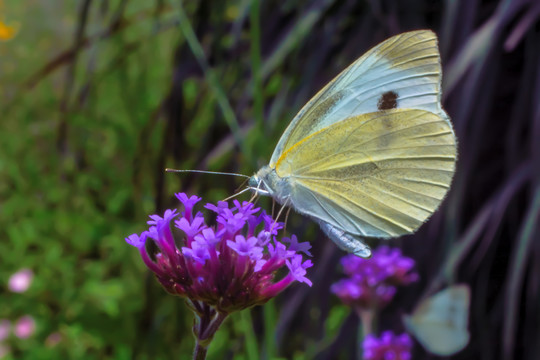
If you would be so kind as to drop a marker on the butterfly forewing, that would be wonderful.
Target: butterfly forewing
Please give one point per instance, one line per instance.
(402, 72)
(379, 174)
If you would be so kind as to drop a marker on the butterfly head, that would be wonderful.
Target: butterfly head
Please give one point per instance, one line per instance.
(257, 182)
(267, 182)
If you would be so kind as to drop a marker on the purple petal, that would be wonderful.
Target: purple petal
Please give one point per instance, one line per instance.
(348, 289)
(136, 240)
(191, 229)
(264, 237)
(298, 269)
(280, 252)
(387, 347)
(208, 236)
(188, 202)
(198, 252)
(242, 245)
(167, 216)
(246, 208)
(298, 247)
(259, 264)
(217, 209)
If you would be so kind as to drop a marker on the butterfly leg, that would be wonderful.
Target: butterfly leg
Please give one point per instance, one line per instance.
(286, 219)
(345, 241)
(285, 204)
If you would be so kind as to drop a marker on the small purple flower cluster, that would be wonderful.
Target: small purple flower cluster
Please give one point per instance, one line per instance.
(372, 282)
(388, 346)
(229, 267)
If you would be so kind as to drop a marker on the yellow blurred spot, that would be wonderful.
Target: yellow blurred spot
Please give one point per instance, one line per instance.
(232, 12)
(7, 32)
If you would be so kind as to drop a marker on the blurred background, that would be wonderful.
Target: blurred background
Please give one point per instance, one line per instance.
(97, 97)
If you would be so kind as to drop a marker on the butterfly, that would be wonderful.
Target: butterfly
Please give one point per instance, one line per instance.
(372, 154)
(439, 323)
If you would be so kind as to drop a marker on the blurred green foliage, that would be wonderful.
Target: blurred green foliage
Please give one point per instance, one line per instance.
(98, 97)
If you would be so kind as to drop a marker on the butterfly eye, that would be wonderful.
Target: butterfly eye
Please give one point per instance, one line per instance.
(253, 181)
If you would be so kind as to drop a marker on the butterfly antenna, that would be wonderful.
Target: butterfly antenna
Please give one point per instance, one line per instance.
(206, 172)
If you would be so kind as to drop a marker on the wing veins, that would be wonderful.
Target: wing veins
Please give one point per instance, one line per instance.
(407, 55)
(356, 94)
(398, 131)
(409, 60)
(381, 64)
(418, 206)
(396, 223)
(323, 207)
(418, 95)
(431, 135)
(389, 48)
(416, 147)
(381, 161)
(402, 187)
(421, 181)
(422, 75)
(298, 170)
(348, 217)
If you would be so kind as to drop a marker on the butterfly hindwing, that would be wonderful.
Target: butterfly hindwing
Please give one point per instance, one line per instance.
(379, 174)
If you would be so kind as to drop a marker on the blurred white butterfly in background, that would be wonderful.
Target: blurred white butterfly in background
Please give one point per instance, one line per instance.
(373, 153)
(439, 323)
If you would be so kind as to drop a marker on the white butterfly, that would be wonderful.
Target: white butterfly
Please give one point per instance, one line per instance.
(373, 153)
(439, 323)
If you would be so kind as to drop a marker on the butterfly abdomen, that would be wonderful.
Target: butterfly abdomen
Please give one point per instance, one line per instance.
(344, 240)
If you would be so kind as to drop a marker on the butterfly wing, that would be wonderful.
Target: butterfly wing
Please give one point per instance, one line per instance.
(401, 72)
(380, 174)
(440, 322)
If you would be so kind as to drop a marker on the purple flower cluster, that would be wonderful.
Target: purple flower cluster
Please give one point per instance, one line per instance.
(229, 267)
(388, 347)
(372, 282)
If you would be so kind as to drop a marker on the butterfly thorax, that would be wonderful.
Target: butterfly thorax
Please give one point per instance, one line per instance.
(267, 182)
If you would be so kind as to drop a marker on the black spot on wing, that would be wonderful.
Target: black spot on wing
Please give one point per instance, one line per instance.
(387, 101)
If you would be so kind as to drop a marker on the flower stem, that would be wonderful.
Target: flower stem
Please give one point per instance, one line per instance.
(366, 327)
(207, 322)
(366, 318)
(213, 326)
(200, 351)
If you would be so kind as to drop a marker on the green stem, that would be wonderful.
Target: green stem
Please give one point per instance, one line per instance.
(270, 316)
(251, 342)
